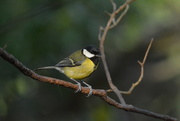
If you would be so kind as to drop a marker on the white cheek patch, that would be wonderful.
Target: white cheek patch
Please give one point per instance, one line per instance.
(88, 54)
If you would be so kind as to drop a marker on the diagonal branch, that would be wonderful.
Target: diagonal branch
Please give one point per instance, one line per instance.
(142, 71)
(112, 22)
(97, 92)
(28, 72)
(141, 74)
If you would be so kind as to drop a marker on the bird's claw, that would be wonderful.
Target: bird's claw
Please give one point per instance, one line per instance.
(90, 92)
(79, 88)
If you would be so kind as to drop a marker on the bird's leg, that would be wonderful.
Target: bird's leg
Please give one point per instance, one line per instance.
(90, 88)
(79, 85)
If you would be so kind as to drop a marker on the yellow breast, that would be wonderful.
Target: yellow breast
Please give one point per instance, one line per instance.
(80, 72)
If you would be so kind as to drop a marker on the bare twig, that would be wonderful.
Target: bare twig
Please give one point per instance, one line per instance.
(142, 71)
(112, 22)
(116, 11)
(97, 92)
(141, 74)
(120, 17)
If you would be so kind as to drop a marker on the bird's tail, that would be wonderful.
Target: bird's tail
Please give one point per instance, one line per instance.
(47, 67)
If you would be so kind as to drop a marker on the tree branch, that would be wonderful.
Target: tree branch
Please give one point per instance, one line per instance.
(141, 74)
(28, 72)
(97, 92)
(142, 71)
(112, 22)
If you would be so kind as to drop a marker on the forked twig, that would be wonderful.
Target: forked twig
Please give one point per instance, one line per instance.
(141, 74)
(142, 71)
(112, 22)
(115, 22)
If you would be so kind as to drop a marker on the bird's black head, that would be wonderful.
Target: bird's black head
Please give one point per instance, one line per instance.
(91, 51)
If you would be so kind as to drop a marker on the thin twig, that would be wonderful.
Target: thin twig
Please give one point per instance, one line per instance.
(116, 11)
(97, 92)
(112, 22)
(120, 17)
(141, 74)
(142, 70)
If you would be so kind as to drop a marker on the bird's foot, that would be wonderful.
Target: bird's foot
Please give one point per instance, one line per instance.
(90, 89)
(79, 88)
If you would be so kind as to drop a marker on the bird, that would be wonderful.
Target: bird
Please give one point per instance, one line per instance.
(79, 65)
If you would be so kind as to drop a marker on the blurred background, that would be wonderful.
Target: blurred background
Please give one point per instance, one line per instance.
(43, 32)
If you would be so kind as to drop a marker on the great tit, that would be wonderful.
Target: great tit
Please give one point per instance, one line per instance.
(79, 65)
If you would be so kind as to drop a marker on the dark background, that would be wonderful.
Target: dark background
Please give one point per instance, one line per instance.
(42, 32)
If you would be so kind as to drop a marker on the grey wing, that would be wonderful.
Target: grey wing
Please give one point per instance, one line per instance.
(68, 62)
